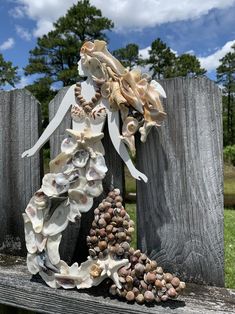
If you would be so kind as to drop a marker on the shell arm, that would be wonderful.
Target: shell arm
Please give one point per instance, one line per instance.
(55, 122)
(113, 125)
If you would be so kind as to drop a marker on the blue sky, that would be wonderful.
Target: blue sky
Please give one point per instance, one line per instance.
(205, 28)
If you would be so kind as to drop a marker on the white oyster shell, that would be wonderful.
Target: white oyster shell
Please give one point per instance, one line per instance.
(35, 215)
(69, 145)
(84, 201)
(58, 221)
(53, 248)
(80, 158)
(51, 188)
(96, 169)
(94, 188)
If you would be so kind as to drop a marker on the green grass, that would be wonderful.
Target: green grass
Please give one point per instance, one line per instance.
(229, 247)
(131, 209)
(229, 186)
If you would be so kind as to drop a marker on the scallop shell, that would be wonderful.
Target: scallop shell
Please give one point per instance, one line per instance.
(77, 113)
(80, 158)
(98, 114)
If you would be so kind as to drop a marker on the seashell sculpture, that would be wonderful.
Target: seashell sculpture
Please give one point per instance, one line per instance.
(76, 176)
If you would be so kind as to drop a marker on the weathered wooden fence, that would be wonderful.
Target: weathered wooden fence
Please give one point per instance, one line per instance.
(179, 211)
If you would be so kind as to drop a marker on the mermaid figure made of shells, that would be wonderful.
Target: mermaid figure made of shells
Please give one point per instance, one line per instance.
(75, 179)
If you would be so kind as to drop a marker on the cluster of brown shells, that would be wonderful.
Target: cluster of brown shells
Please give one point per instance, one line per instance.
(143, 280)
(111, 229)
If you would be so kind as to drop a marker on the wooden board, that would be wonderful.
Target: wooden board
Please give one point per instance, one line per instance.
(19, 178)
(180, 209)
(19, 290)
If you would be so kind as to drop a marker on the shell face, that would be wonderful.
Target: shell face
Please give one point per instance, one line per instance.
(80, 158)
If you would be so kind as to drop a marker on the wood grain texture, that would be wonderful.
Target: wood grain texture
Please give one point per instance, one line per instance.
(19, 178)
(19, 290)
(73, 245)
(180, 209)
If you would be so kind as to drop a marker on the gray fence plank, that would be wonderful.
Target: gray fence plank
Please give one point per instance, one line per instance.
(73, 245)
(180, 209)
(19, 178)
(18, 289)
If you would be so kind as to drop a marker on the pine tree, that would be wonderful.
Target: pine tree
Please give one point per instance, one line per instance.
(188, 65)
(56, 55)
(8, 73)
(161, 60)
(226, 76)
(129, 55)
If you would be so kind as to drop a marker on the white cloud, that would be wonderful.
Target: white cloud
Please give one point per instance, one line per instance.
(144, 53)
(23, 33)
(211, 62)
(147, 13)
(8, 44)
(17, 12)
(126, 14)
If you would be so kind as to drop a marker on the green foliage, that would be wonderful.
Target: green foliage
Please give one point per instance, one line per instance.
(226, 77)
(8, 73)
(188, 65)
(229, 154)
(229, 248)
(56, 53)
(128, 56)
(165, 64)
(161, 60)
